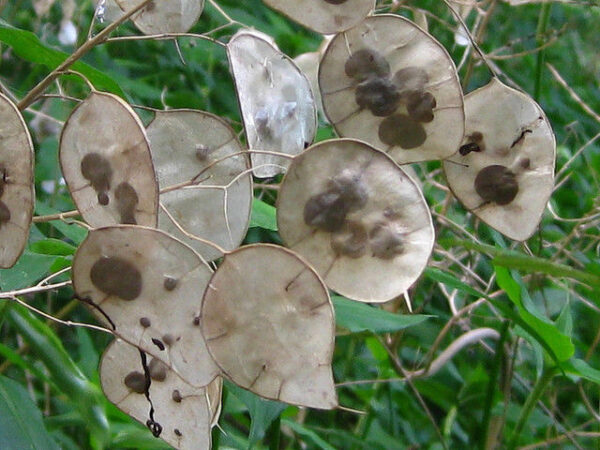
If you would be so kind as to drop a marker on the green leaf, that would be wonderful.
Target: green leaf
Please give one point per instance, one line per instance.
(263, 215)
(451, 281)
(357, 317)
(73, 231)
(52, 247)
(30, 268)
(306, 432)
(10, 355)
(262, 412)
(558, 344)
(564, 322)
(21, 425)
(582, 369)
(27, 46)
(85, 395)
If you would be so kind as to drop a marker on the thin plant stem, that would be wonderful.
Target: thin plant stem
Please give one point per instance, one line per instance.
(542, 26)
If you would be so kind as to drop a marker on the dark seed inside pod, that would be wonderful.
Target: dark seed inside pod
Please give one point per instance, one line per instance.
(117, 276)
(136, 381)
(3, 177)
(366, 63)
(410, 79)
(170, 283)
(4, 213)
(176, 396)
(351, 240)
(525, 163)
(400, 130)
(386, 242)
(177, 432)
(351, 187)
(335, 2)
(202, 152)
(168, 339)
(474, 144)
(145, 322)
(96, 168)
(497, 184)
(157, 369)
(127, 200)
(420, 106)
(326, 211)
(378, 95)
(103, 198)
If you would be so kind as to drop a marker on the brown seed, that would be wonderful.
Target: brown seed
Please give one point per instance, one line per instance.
(177, 432)
(196, 321)
(366, 63)
(127, 200)
(157, 369)
(96, 168)
(350, 241)
(386, 242)
(103, 198)
(351, 188)
(168, 339)
(202, 152)
(497, 184)
(326, 211)
(136, 381)
(170, 283)
(476, 136)
(4, 213)
(420, 106)
(145, 322)
(117, 276)
(3, 176)
(468, 148)
(410, 79)
(400, 130)
(176, 396)
(525, 163)
(379, 95)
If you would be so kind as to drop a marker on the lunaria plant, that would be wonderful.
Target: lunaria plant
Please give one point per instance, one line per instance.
(168, 205)
(504, 170)
(17, 194)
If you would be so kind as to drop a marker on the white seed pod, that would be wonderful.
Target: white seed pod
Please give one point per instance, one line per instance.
(150, 285)
(391, 84)
(105, 159)
(324, 16)
(504, 171)
(268, 322)
(357, 218)
(276, 101)
(186, 146)
(164, 16)
(182, 410)
(17, 194)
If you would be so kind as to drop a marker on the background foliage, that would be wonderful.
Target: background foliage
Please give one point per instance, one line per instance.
(536, 386)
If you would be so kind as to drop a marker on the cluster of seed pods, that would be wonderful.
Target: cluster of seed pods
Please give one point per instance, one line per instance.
(166, 199)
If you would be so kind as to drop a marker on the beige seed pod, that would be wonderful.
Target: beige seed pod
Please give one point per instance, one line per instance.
(276, 101)
(357, 218)
(150, 285)
(391, 84)
(186, 146)
(105, 159)
(164, 16)
(183, 411)
(324, 16)
(274, 336)
(504, 171)
(17, 195)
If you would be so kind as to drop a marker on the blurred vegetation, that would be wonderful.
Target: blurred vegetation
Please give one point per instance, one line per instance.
(484, 392)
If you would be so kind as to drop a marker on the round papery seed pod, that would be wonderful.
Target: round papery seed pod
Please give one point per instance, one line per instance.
(122, 269)
(381, 240)
(160, 16)
(276, 101)
(216, 203)
(324, 16)
(417, 114)
(504, 170)
(123, 382)
(105, 159)
(274, 337)
(17, 195)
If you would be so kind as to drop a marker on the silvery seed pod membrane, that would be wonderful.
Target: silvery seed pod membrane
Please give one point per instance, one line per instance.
(164, 16)
(504, 170)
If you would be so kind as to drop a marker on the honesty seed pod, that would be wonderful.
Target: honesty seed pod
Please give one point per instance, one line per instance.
(105, 159)
(16, 183)
(504, 170)
(164, 16)
(276, 101)
(274, 337)
(391, 84)
(148, 285)
(357, 218)
(324, 16)
(215, 203)
(185, 413)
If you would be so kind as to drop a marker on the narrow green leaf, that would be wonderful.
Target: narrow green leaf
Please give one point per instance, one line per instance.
(21, 425)
(582, 369)
(52, 247)
(30, 268)
(306, 432)
(17, 360)
(27, 46)
(451, 281)
(262, 412)
(263, 215)
(72, 231)
(564, 322)
(357, 317)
